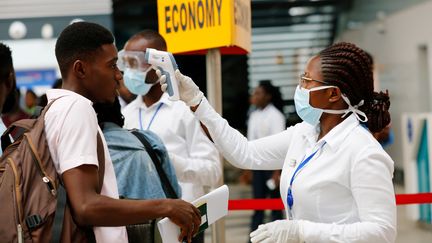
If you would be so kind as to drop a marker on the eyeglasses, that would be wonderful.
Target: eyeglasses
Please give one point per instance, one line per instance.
(304, 81)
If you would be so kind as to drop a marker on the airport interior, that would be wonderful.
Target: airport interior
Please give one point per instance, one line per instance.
(265, 40)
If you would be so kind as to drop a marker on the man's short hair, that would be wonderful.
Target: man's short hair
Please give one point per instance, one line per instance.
(152, 36)
(6, 64)
(79, 41)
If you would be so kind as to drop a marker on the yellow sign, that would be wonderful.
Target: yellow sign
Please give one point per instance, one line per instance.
(194, 25)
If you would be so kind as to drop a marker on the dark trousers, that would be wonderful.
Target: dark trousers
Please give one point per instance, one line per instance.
(198, 238)
(260, 190)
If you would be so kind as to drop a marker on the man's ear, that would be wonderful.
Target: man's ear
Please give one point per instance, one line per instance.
(79, 69)
(335, 94)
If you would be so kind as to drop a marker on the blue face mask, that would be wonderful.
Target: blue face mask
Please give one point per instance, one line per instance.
(312, 115)
(134, 81)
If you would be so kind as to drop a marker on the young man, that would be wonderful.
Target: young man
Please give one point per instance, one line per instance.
(194, 156)
(87, 59)
(7, 84)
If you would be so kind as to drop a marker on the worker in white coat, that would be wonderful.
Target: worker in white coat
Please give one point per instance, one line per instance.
(336, 181)
(267, 119)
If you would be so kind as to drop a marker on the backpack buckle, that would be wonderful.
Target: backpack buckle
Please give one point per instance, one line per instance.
(33, 221)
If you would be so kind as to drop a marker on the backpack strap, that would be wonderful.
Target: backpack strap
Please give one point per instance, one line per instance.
(166, 185)
(101, 160)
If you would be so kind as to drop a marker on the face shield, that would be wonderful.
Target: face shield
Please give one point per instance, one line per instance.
(132, 60)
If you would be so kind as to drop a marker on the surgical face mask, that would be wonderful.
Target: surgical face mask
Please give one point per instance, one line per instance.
(312, 115)
(134, 81)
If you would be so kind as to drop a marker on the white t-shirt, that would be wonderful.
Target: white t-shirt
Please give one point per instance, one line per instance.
(71, 130)
(265, 122)
(2, 130)
(343, 194)
(195, 158)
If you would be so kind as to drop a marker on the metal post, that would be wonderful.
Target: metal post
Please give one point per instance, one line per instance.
(214, 79)
(214, 96)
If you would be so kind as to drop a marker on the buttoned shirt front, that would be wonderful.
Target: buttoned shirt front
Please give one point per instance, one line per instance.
(195, 158)
(343, 194)
(71, 130)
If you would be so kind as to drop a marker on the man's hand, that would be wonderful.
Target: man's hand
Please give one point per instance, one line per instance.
(189, 92)
(286, 231)
(186, 216)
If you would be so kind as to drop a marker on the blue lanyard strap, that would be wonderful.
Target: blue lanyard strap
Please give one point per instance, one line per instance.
(290, 198)
(151, 120)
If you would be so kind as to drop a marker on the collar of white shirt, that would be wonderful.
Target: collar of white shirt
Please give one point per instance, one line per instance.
(56, 93)
(335, 137)
(268, 107)
(164, 99)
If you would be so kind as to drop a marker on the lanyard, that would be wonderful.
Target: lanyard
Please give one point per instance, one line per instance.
(290, 198)
(151, 120)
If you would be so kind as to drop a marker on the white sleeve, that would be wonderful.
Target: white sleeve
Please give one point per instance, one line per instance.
(76, 139)
(372, 188)
(203, 164)
(266, 153)
(2, 130)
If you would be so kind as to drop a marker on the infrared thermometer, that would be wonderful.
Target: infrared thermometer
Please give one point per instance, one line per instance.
(165, 62)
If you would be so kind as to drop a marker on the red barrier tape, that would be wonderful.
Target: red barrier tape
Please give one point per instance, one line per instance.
(276, 204)
(419, 198)
(255, 204)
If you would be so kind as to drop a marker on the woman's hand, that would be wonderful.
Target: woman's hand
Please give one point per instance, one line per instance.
(189, 92)
(286, 231)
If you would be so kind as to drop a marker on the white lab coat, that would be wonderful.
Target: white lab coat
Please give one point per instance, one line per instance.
(344, 194)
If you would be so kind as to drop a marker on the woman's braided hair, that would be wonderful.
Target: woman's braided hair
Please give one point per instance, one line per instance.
(350, 68)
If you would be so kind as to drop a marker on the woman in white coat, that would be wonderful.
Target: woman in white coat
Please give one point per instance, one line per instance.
(336, 181)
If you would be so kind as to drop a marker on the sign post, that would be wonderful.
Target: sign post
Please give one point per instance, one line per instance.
(214, 79)
(211, 27)
(214, 95)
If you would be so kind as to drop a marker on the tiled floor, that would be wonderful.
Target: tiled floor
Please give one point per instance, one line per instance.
(237, 223)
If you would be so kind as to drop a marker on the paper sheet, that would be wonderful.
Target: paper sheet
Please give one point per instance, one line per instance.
(215, 204)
